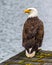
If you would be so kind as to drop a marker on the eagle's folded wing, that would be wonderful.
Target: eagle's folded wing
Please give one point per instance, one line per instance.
(29, 37)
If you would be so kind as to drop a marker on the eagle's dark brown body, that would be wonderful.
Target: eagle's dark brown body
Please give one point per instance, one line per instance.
(33, 32)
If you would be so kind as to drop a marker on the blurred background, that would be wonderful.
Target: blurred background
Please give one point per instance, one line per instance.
(12, 19)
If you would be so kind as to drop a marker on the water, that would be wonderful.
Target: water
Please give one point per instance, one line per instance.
(12, 19)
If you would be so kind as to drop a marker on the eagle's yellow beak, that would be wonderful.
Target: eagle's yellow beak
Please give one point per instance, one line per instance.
(27, 11)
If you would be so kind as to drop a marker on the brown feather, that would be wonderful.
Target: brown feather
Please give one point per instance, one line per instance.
(33, 32)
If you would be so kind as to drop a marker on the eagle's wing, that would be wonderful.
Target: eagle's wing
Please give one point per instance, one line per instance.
(40, 34)
(28, 36)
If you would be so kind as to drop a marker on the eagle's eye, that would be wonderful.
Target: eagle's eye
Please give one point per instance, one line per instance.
(30, 9)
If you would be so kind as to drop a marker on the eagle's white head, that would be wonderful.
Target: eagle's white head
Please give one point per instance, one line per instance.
(32, 12)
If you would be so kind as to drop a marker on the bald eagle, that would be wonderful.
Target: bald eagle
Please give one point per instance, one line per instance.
(33, 32)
